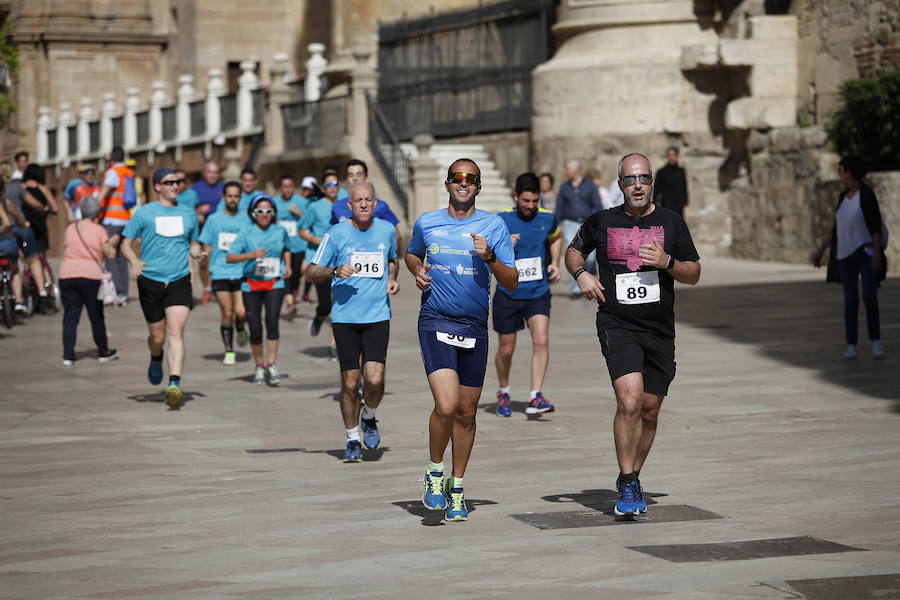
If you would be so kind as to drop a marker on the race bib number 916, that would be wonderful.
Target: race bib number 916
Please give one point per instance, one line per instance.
(641, 287)
(368, 264)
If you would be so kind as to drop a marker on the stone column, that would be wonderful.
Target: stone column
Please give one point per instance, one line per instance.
(44, 125)
(215, 89)
(185, 95)
(158, 100)
(363, 79)
(129, 125)
(247, 83)
(107, 112)
(279, 94)
(85, 116)
(66, 120)
(315, 67)
(424, 179)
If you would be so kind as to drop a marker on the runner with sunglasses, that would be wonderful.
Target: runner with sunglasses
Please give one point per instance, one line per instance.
(263, 249)
(168, 235)
(217, 235)
(452, 254)
(642, 249)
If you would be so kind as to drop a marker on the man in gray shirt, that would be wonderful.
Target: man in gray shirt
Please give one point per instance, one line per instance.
(578, 199)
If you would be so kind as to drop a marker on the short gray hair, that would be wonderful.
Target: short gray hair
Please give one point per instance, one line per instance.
(356, 184)
(89, 206)
(621, 160)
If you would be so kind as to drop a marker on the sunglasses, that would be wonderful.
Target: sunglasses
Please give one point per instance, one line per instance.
(332, 184)
(170, 182)
(469, 178)
(629, 180)
(264, 211)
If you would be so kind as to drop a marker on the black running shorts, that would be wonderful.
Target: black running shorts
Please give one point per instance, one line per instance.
(628, 351)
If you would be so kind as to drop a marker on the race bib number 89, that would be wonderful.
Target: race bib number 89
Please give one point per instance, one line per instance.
(456, 340)
(641, 287)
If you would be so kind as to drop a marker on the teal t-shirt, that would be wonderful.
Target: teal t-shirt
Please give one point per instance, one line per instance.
(188, 198)
(166, 233)
(274, 241)
(363, 297)
(317, 219)
(289, 220)
(220, 231)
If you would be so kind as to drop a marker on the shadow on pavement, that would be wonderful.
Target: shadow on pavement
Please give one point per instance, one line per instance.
(601, 500)
(367, 455)
(316, 351)
(801, 323)
(160, 397)
(432, 518)
(518, 408)
(238, 356)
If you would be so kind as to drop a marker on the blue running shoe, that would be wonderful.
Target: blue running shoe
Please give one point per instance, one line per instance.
(504, 406)
(434, 498)
(371, 437)
(538, 405)
(155, 372)
(627, 504)
(457, 510)
(642, 503)
(353, 452)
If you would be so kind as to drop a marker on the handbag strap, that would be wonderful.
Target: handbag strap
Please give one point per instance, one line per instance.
(86, 247)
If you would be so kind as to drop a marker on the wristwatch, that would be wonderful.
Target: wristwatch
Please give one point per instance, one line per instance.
(669, 263)
(491, 258)
(334, 272)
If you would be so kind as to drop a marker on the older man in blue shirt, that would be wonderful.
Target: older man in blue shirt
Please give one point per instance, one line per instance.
(578, 199)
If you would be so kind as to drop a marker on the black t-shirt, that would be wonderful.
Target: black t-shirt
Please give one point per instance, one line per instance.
(647, 300)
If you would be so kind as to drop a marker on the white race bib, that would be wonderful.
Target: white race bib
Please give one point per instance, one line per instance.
(169, 226)
(267, 267)
(456, 340)
(290, 227)
(530, 269)
(641, 287)
(225, 241)
(370, 264)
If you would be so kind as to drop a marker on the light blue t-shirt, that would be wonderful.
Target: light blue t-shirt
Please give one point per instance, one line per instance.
(69, 192)
(188, 198)
(532, 251)
(317, 219)
(220, 231)
(363, 297)
(166, 233)
(289, 220)
(274, 241)
(458, 297)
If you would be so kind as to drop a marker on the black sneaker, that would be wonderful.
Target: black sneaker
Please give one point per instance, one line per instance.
(315, 326)
(110, 354)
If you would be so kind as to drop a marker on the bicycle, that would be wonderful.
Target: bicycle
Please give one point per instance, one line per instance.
(32, 295)
(7, 297)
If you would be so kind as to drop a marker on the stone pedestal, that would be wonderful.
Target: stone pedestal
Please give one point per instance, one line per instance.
(424, 175)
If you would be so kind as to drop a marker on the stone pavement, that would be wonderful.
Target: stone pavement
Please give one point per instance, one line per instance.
(106, 494)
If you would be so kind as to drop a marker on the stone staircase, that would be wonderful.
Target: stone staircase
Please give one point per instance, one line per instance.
(495, 194)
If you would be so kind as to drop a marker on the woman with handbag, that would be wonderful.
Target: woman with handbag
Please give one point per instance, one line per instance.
(80, 278)
(857, 242)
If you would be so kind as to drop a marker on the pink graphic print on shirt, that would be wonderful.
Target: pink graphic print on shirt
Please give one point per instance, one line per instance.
(622, 244)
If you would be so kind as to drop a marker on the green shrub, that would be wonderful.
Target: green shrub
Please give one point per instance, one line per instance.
(868, 123)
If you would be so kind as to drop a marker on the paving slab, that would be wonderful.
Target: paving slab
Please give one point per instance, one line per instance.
(242, 493)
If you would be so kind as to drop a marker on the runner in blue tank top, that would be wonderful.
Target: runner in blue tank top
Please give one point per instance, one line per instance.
(452, 254)
(536, 238)
(358, 257)
(217, 235)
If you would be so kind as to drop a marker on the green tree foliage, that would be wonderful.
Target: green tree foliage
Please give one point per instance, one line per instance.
(868, 123)
(10, 56)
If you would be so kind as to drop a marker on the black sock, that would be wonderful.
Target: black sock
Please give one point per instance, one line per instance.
(238, 324)
(626, 478)
(174, 379)
(157, 358)
(637, 474)
(228, 336)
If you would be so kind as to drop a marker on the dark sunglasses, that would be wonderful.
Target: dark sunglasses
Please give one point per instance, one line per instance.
(629, 180)
(469, 178)
(170, 182)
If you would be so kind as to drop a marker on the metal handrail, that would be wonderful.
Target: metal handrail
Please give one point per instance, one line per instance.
(385, 147)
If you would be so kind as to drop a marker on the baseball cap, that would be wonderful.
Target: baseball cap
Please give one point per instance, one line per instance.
(160, 173)
(309, 182)
(82, 167)
(130, 162)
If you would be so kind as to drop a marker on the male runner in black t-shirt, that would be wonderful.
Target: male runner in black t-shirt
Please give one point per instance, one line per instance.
(641, 249)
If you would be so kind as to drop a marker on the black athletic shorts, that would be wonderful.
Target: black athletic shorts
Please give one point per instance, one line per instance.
(156, 296)
(368, 339)
(510, 314)
(226, 285)
(629, 351)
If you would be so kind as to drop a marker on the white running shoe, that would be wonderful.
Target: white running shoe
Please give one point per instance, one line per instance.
(877, 350)
(850, 352)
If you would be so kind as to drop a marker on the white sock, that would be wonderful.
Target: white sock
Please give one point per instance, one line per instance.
(353, 434)
(534, 393)
(456, 482)
(438, 467)
(505, 390)
(368, 412)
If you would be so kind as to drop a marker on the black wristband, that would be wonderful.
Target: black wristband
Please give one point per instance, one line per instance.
(670, 263)
(491, 258)
(578, 272)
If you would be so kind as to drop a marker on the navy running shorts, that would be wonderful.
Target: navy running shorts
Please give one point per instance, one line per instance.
(511, 314)
(469, 363)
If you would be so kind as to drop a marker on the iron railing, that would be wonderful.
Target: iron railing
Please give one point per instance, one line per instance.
(168, 123)
(118, 131)
(385, 148)
(229, 112)
(198, 117)
(311, 125)
(73, 140)
(464, 72)
(51, 143)
(94, 129)
(143, 128)
(259, 107)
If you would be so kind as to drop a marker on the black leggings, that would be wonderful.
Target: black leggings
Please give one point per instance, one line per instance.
(254, 301)
(323, 291)
(293, 284)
